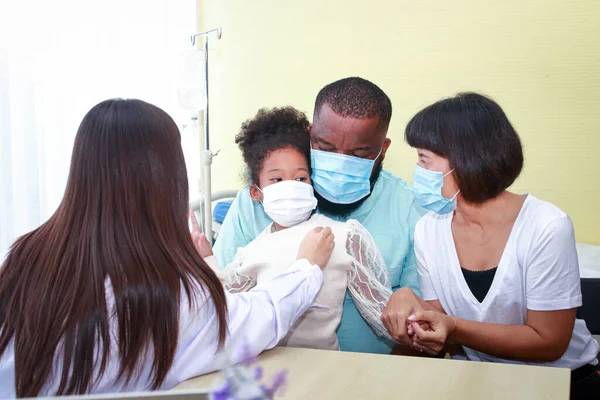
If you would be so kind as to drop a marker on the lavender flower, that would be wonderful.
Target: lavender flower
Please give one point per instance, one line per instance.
(223, 393)
(244, 382)
(279, 380)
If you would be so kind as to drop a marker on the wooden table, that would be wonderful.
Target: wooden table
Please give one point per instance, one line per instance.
(318, 374)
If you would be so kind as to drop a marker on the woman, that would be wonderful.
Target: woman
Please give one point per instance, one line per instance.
(110, 294)
(276, 149)
(499, 269)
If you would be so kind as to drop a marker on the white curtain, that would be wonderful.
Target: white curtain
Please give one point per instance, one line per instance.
(57, 60)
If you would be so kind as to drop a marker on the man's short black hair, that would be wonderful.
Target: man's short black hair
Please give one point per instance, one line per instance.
(272, 129)
(357, 98)
(474, 134)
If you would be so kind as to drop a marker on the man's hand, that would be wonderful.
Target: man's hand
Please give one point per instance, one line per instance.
(402, 304)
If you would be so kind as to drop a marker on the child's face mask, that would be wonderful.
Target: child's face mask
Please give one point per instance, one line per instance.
(288, 203)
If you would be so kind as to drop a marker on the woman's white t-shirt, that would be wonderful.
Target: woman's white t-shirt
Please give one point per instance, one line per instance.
(538, 271)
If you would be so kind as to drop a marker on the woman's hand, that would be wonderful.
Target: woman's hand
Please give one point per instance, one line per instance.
(403, 303)
(424, 325)
(317, 246)
(199, 238)
(433, 339)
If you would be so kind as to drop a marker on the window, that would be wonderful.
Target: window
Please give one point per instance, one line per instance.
(60, 58)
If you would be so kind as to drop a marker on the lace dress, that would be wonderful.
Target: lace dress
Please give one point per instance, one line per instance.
(356, 266)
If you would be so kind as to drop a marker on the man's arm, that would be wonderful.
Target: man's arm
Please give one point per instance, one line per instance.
(243, 223)
(410, 276)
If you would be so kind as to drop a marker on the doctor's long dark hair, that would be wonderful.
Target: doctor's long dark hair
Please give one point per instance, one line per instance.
(123, 224)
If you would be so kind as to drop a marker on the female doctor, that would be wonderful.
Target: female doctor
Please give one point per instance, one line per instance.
(110, 294)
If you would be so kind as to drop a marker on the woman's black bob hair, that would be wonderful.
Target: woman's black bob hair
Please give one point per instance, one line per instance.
(474, 134)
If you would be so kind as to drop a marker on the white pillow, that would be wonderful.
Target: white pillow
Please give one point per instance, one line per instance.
(589, 260)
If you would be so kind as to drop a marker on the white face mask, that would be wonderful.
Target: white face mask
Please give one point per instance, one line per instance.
(289, 203)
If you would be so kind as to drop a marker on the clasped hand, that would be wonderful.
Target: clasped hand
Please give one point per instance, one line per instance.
(410, 324)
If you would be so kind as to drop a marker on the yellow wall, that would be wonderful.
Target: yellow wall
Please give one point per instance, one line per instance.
(539, 59)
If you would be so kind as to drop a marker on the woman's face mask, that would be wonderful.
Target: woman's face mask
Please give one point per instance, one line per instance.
(288, 203)
(427, 186)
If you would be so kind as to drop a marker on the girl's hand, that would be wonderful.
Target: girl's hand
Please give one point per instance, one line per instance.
(424, 325)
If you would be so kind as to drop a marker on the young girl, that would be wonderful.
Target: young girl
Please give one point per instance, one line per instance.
(276, 149)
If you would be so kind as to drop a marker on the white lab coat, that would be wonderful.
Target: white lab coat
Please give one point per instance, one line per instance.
(258, 319)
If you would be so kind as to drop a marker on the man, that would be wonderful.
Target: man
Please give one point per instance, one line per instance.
(349, 143)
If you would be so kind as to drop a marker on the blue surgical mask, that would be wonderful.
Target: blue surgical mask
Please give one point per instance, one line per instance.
(339, 178)
(427, 186)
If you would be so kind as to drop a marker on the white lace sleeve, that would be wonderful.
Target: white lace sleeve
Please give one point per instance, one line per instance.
(368, 281)
(233, 280)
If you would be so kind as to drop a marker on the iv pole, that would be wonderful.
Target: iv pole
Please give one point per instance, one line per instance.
(207, 154)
